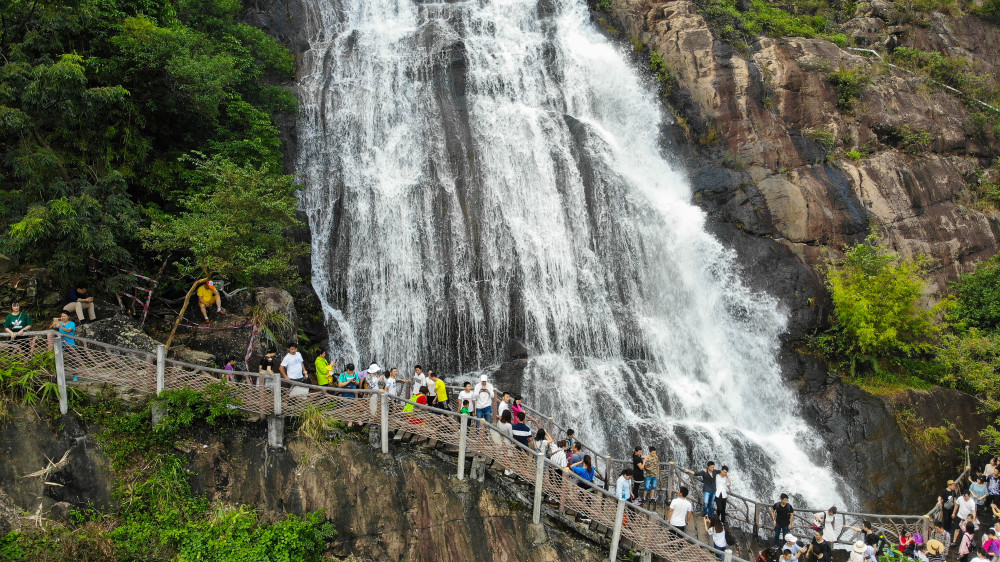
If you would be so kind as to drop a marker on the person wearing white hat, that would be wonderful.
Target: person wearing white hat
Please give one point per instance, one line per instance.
(369, 377)
(791, 543)
(862, 552)
(484, 399)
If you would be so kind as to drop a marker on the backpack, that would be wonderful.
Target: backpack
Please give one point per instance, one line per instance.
(950, 503)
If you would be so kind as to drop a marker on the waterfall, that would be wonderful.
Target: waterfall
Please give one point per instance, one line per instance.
(486, 171)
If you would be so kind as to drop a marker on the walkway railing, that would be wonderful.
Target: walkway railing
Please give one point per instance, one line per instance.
(268, 396)
(151, 373)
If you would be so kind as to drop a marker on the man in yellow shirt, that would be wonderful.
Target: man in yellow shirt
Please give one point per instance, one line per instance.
(440, 392)
(207, 296)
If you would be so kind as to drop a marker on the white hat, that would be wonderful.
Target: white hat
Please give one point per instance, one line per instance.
(790, 538)
(859, 547)
(373, 368)
(483, 378)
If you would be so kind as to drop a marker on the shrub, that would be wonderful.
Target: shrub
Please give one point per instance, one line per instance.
(978, 298)
(876, 298)
(850, 84)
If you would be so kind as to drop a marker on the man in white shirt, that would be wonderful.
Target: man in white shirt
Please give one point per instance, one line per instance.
(484, 399)
(623, 487)
(680, 510)
(419, 379)
(964, 507)
(504, 404)
(293, 365)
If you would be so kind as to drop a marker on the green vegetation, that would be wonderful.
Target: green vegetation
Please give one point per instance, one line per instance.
(316, 423)
(158, 516)
(886, 340)
(826, 139)
(662, 72)
(603, 5)
(102, 102)
(850, 84)
(814, 18)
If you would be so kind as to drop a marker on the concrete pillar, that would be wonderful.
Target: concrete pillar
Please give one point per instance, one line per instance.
(161, 368)
(384, 422)
(57, 345)
(276, 432)
(536, 509)
(463, 439)
(276, 386)
(616, 537)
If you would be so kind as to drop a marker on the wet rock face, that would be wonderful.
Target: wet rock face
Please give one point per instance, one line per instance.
(766, 142)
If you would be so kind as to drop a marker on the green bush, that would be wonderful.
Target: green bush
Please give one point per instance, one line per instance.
(851, 84)
(978, 298)
(877, 312)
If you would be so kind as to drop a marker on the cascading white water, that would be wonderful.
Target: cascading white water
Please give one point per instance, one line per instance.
(488, 170)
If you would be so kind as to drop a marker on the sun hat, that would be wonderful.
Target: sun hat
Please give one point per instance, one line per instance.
(373, 368)
(934, 546)
(791, 538)
(483, 378)
(859, 547)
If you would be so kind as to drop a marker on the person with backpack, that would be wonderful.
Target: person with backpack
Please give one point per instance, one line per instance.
(946, 503)
(826, 522)
(968, 529)
(716, 532)
(782, 514)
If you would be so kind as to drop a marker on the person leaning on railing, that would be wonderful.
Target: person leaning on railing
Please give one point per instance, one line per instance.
(17, 322)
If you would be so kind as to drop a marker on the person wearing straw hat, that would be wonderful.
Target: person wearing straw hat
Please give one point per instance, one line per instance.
(935, 551)
(862, 552)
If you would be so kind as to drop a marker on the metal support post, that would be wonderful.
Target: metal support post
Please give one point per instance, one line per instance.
(277, 394)
(607, 471)
(463, 438)
(161, 368)
(276, 422)
(616, 537)
(61, 376)
(536, 510)
(384, 423)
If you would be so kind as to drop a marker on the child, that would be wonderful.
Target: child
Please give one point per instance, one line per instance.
(570, 438)
(230, 370)
(968, 534)
(465, 407)
(787, 556)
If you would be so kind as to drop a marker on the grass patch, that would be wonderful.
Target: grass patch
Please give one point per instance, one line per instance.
(851, 84)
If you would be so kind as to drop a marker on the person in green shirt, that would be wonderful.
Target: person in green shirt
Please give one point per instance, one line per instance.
(17, 322)
(323, 369)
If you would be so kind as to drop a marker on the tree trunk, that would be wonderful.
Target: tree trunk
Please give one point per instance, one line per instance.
(180, 316)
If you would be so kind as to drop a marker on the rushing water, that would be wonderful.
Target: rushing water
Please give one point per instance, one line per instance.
(485, 171)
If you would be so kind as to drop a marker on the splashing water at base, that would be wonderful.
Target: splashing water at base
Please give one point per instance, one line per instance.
(485, 172)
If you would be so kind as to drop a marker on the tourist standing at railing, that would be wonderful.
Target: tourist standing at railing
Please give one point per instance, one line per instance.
(652, 468)
(293, 365)
(584, 468)
(638, 471)
(440, 391)
(66, 328)
(867, 531)
(826, 521)
(391, 383)
(521, 432)
(504, 404)
(707, 485)
(820, 549)
(419, 379)
(576, 453)
(557, 454)
(268, 364)
(717, 532)
(782, 514)
(17, 322)
(722, 487)
(570, 438)
(230, 370)
(467, 394)
(542, 440)
(324, 369)
(623, 487)
(484, 399)
(861, 552)
(517, 407)
(679, 512)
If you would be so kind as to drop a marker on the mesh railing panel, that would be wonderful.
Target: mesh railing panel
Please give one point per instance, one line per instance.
(90, 360)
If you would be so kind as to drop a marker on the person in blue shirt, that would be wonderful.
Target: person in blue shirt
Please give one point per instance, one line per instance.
(584, 469)
(521, 431)
(348, 379)
(66, 327)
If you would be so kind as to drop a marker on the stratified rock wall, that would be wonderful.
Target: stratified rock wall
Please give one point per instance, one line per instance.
(762, 117)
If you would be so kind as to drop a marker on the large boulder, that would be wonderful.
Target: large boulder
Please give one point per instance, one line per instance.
(121, 330)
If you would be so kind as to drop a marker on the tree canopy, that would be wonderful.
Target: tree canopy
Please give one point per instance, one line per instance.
(100, 103)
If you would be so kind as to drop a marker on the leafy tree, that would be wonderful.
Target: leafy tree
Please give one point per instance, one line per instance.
(978, 302)
(99, 99)
(235, 224)
(877, 310)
